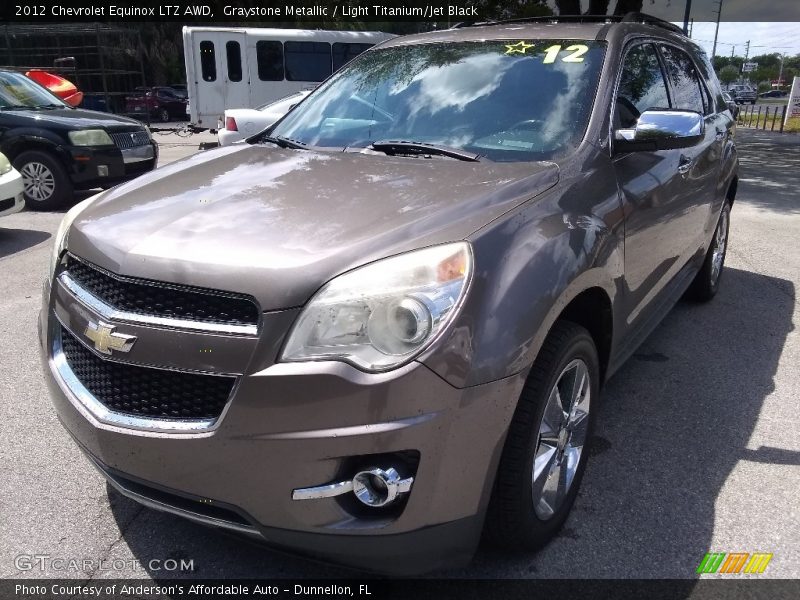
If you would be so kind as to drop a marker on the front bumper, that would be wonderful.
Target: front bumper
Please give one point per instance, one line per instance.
(11, 187)
(296, 425)
(91, 167)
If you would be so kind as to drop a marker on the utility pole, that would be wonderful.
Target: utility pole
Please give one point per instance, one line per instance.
(746, 56)
(780, 73)
(686, 15)
(691, 26)
(716, 31)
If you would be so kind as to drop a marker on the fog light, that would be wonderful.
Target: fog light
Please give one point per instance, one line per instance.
(102, 170)
(377, 487)
(373, 487)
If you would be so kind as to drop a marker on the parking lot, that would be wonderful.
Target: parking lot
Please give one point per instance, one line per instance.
(697, 445)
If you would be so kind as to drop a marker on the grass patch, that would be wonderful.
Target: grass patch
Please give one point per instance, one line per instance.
(793, 125)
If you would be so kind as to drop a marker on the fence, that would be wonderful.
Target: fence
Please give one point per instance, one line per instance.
(768, 118)
(104, 61)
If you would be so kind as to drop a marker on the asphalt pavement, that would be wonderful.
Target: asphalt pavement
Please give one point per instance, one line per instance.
(696, 450)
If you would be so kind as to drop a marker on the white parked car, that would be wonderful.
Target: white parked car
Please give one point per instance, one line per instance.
(11, 188)
(241, 123)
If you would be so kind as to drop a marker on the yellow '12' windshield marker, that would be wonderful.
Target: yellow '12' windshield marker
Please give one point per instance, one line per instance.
(519, 47)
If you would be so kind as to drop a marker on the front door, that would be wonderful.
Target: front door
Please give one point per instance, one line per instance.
(650, 184)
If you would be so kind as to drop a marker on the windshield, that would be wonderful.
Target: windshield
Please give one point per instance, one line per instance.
(17, 91)
(504, 100)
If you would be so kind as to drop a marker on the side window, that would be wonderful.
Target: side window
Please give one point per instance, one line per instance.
(641, 86)
(208, 61)
(344, 53)
(307, 61)
(269, 57)
(712, 83)
(233, 53)
(684, 79)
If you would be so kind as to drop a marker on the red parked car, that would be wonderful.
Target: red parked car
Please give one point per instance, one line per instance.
(161, 103)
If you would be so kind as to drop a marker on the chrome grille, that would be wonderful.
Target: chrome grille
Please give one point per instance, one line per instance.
(158, 299)
(130, 139)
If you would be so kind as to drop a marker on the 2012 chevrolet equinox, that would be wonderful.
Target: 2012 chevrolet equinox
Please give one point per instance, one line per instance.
(381, 327)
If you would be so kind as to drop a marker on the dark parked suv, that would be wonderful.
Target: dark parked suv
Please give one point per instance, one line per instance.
(382, 327)
(58, 149)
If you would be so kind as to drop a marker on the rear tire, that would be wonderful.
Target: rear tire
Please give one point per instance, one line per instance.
(47, 185)
(706, 283)
(547, 446)
(163, 115)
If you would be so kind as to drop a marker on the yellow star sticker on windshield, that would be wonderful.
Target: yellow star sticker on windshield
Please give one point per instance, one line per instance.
(520, 47)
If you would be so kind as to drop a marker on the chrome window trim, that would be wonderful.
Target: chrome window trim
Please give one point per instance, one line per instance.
(110, 313)
(105, 415)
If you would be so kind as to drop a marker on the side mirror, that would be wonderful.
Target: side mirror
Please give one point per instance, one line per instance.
(661, 130)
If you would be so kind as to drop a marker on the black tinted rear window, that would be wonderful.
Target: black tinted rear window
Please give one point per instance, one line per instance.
(307, 61)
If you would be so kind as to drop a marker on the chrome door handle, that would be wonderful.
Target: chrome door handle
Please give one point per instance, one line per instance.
(685, 164)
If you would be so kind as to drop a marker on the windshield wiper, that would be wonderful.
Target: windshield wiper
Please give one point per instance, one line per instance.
(283, 142)
(50, 106)
(17, 107)
(392, 147)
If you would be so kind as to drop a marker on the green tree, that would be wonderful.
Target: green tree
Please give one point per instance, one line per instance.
(728, 74)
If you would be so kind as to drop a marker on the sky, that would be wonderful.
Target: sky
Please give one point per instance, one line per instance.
(765, 38)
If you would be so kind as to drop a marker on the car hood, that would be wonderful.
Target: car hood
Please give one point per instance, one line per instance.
(277, 224)
(77, 118)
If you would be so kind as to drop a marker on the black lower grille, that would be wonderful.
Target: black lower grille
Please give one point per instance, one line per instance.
(7, 203)
(144, 391)
(153, 298)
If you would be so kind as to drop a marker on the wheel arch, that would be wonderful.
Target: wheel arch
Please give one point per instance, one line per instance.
(730, 195)
(16, 144)
(592, 310)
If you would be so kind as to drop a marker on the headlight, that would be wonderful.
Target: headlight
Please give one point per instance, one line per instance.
(90, 137)
(5, 165)
(61, 235)
(380, 316)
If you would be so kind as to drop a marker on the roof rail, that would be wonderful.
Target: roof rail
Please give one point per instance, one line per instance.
(631, 17)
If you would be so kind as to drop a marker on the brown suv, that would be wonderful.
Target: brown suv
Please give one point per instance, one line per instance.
(381, 328)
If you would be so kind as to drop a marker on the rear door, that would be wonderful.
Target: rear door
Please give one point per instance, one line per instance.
(699, 166)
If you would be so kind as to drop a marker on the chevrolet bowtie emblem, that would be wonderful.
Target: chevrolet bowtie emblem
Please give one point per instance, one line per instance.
(106, 340)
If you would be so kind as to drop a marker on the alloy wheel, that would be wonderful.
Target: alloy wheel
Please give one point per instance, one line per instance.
(562, 435)
(39, 181)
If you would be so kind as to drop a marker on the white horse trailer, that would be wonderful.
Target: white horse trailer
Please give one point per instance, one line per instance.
(248, 67)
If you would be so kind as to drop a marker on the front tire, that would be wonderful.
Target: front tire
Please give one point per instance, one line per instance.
(546, 449)
(46, 183)
(706, 283)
